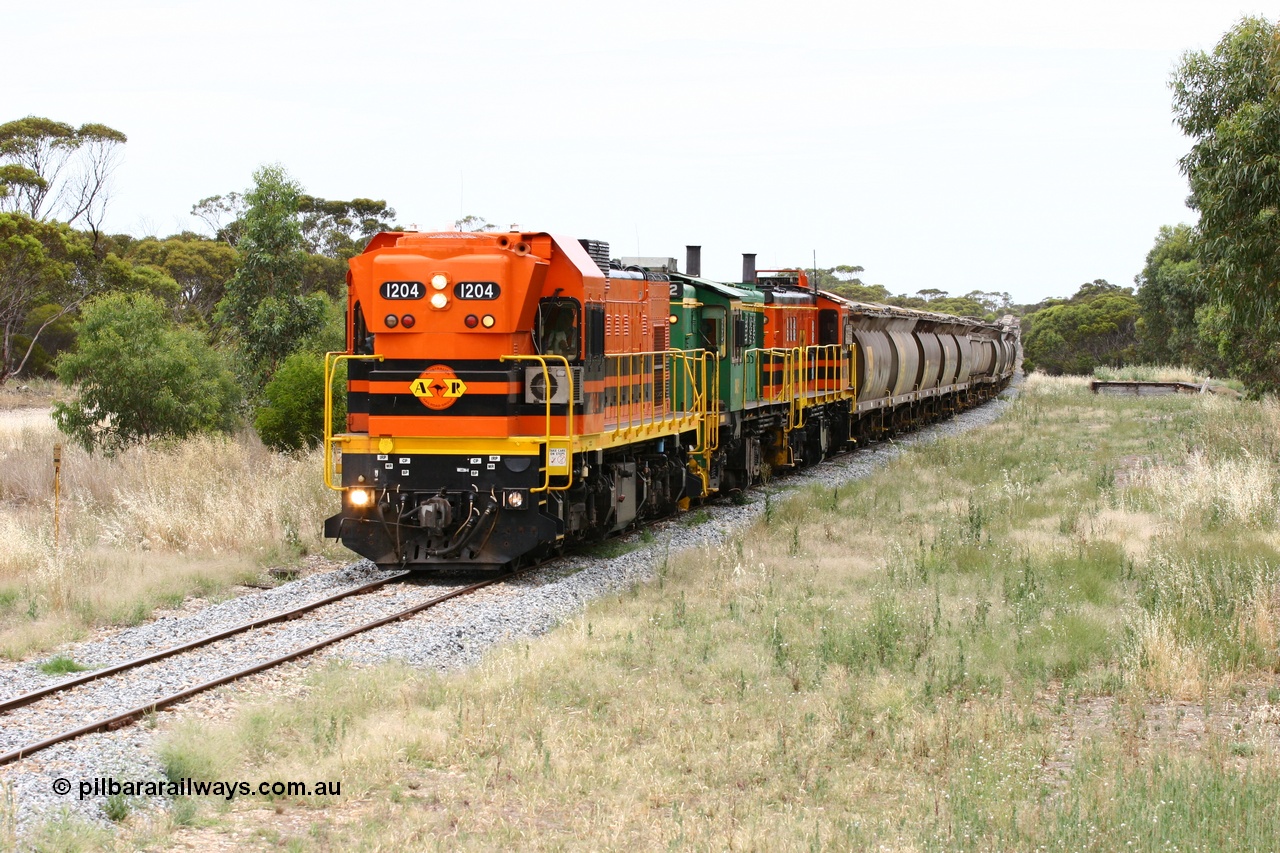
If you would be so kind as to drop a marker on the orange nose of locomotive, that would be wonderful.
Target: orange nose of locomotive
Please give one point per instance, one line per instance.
(454, 294)
(442, 309)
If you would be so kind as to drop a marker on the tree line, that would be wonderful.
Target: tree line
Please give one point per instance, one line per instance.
(1208, 296)
(844, 280)
(163, 338)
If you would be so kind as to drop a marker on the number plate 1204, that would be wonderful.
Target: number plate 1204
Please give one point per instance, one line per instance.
(485, 290)
(402, 290)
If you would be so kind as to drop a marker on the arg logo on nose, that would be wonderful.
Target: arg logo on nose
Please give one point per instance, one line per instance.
(438, 387)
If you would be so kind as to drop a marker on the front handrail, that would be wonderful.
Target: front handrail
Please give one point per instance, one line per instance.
(785, 389)
(799, 380)
(548, 437)
(331, 362)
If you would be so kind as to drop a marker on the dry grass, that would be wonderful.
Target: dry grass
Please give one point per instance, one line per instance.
(1238, 490)
(30, 394)
(1156, 373)
(1163, 663)
(145, 528)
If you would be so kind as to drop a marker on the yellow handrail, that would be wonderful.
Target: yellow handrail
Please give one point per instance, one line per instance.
(645, 417)
(567, 438)
(714, 444)
(331, 362)
(706, 374)
(832, 379)
(785, 391)
(798, 390)
(828, 379)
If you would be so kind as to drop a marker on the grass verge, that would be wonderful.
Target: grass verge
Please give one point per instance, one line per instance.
(141, 530)
(1039, 635)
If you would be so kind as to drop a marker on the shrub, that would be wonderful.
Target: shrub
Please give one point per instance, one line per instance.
(1097, 326)
(139, 376)
(293, 417)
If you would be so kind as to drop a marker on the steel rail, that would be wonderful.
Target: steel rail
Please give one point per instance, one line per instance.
(172, 699)
(285, 616)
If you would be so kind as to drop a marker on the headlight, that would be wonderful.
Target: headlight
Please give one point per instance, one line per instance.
(439, 300)
(439, 281)
(514, 498)
(360, 497)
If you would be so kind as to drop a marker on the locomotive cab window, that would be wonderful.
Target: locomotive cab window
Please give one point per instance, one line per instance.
(828, 326)
(559, 327)
(361, 340)
(712, 331)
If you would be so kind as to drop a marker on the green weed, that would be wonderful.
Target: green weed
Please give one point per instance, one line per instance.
(62, 665)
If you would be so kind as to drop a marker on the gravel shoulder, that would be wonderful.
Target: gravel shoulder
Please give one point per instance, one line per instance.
(451, 636)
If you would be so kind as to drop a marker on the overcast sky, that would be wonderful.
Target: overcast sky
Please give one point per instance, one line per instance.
(1008, 146)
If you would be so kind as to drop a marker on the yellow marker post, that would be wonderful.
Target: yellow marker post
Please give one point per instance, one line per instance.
(57, 484)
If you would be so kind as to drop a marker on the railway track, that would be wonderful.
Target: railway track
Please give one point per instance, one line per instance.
(164, 701)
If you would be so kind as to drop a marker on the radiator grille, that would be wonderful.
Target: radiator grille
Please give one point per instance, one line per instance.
(599, 252)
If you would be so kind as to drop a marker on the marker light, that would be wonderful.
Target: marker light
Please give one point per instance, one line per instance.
(359, 497)
(472, 321)
(488, 321)
(391, 321)
(407, 321)
(439, 281)
(439, 300)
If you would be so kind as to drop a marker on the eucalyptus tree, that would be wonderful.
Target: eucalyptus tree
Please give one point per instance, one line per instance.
(1171, 292)
(264, 311)
(140, 376)
(1228, 102)
(50, 169)
(41, 264)
(1096, 326)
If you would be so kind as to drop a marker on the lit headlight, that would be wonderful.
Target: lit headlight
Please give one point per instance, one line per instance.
(514, 498)
(360, 497)
(439, 281)
(439, 300)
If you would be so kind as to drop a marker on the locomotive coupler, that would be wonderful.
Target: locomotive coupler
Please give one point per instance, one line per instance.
(435, 514)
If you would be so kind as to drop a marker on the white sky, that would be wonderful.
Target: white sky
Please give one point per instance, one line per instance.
(999, 145)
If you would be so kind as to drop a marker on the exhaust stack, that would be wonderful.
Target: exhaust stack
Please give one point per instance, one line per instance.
(693, 261)
(748, 268)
